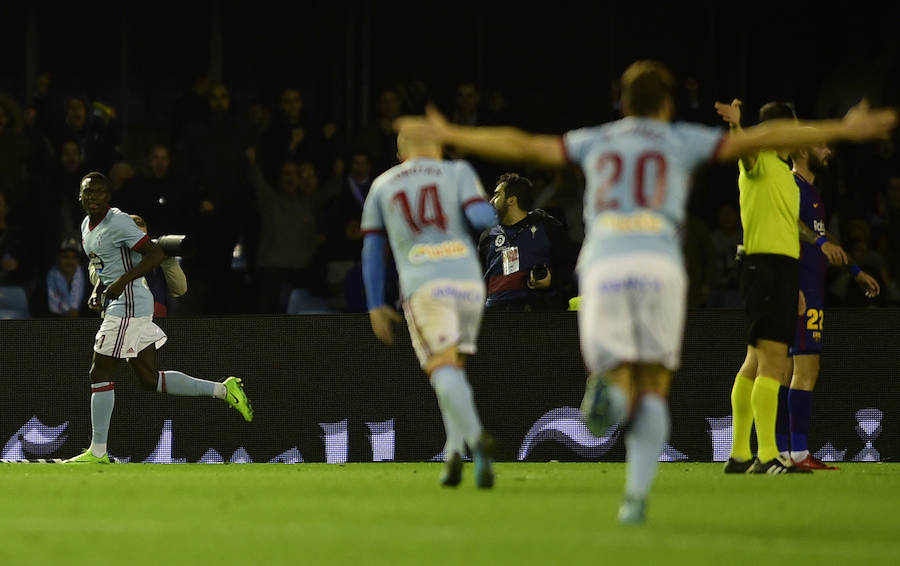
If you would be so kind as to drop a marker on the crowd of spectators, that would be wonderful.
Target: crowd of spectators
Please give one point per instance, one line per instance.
(271, 197)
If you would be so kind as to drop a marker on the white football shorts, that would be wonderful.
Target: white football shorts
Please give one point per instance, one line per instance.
(444, 313)
(126, 337)
(632, 310)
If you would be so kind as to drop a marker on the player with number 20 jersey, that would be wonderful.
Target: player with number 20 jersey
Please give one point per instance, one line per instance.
(637, 175)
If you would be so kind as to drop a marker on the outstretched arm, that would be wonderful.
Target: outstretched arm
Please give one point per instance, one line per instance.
(506, 144)
(860, 124)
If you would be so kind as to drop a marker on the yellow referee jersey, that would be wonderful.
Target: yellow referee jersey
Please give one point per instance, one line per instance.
(770, 206)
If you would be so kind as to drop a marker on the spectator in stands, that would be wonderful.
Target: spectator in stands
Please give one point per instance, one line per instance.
(167, 281)
(15, 268)
(468, 111)
(14, 151)
(191, 105)
(346, 208)
(378, 138)
(294, 135)
(858, 246)
(159, 196)
(57, 186)
(119, 174)
(289, 234)
(889, 225)
(344, 237)
(95, 130)
(212, 157)
(67, 283)
(259, 119)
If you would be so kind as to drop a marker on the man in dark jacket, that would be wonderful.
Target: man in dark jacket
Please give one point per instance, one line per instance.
(528, 258)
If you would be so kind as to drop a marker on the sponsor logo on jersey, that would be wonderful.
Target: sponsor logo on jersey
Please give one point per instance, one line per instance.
(451, 249)
(460, 294)
(96, 262)
(639, 222)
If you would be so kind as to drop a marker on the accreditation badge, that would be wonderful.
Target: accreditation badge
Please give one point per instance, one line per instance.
(510, 260)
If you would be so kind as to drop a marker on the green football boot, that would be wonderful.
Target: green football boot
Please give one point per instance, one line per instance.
(633, 511)
(87, 457)
(236, 398)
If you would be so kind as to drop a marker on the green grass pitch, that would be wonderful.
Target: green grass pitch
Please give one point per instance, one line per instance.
(394, 514)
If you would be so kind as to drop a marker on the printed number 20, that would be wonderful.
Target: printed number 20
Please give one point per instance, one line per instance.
(815, 318)
(428, 209)
(614, 161)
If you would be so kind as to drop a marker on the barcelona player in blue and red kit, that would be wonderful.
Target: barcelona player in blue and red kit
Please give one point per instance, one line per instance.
(816, 250)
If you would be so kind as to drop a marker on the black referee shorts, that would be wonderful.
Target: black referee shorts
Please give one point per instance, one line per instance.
(770, 289)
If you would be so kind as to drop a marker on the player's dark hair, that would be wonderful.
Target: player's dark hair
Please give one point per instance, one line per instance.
(515, 185)
(97, 179)
(645, 87)
(776, 111)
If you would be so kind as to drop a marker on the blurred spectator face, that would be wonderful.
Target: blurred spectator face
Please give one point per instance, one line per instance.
(360, 166)
(68, 262)
(728, 219)
(4, 208)
(70, 156)
(389, 104)
(119, 173)
(309, 179)
(467, 98)
(291, 103)
(219, 100)
(4, 119)
(76, 113)
(290, 178)
(859, 248)
(819, 156)
(258, 116)
(858, 230)
(159, 161)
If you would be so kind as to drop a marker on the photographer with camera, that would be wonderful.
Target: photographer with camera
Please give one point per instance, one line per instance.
(528, 258)
(167, 281)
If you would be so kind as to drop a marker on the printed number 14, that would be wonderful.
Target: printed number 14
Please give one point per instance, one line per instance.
(428, 209)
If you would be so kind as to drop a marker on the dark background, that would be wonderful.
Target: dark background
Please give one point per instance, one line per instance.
(554, 62)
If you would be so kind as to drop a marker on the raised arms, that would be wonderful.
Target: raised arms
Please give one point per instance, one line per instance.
(860, 124)
(497, 143)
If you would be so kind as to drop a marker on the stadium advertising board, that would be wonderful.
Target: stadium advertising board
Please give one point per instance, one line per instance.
(324, 390)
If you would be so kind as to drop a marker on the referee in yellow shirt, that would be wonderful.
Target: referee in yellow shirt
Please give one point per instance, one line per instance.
(770, 208)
